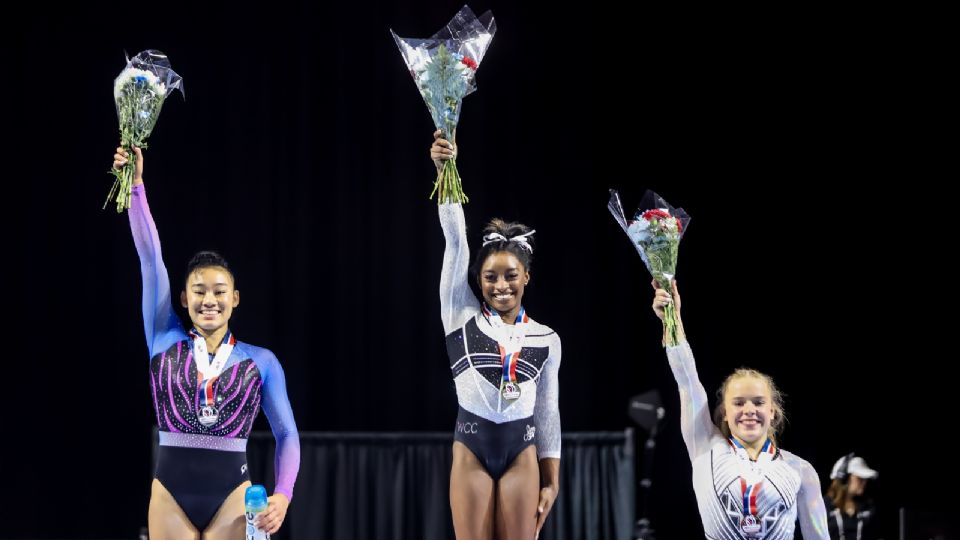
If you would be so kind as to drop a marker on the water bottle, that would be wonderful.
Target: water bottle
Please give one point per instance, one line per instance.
(254, 502)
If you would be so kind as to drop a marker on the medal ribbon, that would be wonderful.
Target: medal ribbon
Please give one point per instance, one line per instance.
(208, 372)
(509, 352)
(751, 490)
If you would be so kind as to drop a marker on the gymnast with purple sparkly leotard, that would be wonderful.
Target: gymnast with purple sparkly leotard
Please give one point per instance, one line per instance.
(207, 388)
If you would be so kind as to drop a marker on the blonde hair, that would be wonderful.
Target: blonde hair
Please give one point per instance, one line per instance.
(776, 397)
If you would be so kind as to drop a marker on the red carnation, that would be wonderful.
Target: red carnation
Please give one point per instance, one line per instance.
(469, 62)
(655, 213)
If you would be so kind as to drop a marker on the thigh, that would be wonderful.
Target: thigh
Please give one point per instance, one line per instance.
(471, 496)
(518, 493)
(229, 522)
(165, 519)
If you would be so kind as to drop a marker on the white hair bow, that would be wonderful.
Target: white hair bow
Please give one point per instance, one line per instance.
(520, 239)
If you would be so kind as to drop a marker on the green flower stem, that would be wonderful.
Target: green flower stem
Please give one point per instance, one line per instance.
(448, 186)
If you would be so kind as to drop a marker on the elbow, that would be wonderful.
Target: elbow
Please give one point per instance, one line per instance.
(289, 439)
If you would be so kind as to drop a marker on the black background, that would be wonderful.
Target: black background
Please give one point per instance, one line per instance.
(301, 154)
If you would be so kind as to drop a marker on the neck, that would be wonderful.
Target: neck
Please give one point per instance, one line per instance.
(849, 505)
(753, 449)
(511, 316)
(214, 338)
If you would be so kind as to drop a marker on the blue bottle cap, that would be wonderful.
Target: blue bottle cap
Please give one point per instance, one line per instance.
(256, 496)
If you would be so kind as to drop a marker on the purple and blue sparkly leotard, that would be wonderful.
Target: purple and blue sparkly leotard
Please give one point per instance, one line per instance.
(199, 464)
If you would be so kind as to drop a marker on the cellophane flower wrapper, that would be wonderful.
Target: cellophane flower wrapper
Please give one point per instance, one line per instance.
(444, 68)
(139, 92)
(655, 231)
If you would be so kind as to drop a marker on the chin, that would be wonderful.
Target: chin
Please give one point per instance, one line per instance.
(751, 436)
(209, 325)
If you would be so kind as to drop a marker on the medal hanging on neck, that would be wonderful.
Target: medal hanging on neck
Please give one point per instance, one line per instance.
(510, 342)
(751, 482)
(208, 372)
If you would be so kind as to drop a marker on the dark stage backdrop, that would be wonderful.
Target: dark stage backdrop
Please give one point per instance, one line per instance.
(395, 486)
(301, 153)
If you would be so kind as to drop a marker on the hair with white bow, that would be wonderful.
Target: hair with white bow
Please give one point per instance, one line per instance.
(515, 238)
(520, 239)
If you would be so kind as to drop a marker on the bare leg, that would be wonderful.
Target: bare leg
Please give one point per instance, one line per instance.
(165, 518)
(229, 522)
(518, 493)
(471, 496)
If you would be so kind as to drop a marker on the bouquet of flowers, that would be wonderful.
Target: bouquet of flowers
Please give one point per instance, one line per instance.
(443, 67)
(139, 92)
(656, 230)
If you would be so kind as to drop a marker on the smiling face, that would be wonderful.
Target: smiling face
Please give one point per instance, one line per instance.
(748, 408)
(502, 279)
(210, 298)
